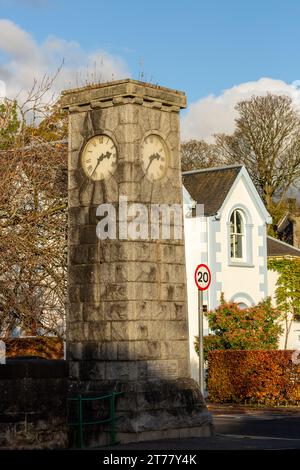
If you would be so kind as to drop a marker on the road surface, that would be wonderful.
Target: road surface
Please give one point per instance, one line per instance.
(238, 429)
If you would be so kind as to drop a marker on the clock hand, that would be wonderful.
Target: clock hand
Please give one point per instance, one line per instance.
(106, 155)
(97, 164)
(154, 156)
(99, 160)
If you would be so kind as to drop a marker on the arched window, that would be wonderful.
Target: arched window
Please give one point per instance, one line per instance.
(236, 235)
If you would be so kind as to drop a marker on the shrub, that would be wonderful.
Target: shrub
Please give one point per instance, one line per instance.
(255, 327)
(260, 377)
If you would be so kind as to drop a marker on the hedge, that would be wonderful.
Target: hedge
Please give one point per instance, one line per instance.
(251, 376)
(47, 347)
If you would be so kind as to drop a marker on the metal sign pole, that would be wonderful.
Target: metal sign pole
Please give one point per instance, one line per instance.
(202, 280)
(200, 334)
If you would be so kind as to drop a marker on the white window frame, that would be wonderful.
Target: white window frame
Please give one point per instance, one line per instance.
(235, 234)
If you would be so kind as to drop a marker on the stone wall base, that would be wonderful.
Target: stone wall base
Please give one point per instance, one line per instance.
(151, 410)
(206, 430)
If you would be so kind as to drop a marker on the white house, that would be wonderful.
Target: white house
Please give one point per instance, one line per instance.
(230, 236)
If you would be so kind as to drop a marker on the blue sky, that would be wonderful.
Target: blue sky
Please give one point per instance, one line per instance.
(200, 47)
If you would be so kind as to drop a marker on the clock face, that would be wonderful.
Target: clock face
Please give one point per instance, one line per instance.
(99, 157)
(154, 157)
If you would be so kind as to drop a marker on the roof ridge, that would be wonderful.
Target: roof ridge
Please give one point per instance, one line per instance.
(214, 168)
(284, 243)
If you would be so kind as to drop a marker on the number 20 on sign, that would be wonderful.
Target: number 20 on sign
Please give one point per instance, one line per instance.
(202, 277)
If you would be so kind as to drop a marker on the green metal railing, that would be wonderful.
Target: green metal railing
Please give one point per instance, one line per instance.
(110, 419)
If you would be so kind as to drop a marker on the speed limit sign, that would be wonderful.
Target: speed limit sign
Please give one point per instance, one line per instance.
(202, 280)
(202, 277)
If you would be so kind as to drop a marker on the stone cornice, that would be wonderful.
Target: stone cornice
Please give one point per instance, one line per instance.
(122, 92)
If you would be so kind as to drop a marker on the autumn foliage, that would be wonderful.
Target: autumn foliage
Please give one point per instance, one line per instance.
(258, 377)
(255, 327)
(45, 347)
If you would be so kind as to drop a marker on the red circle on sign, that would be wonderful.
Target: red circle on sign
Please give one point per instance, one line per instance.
(209, 276)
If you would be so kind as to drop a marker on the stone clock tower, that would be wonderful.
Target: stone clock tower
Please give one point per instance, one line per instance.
(127, 318)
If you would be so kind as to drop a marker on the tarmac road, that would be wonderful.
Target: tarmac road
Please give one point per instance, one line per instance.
(272, 425)
(239, 429)
(261, 430)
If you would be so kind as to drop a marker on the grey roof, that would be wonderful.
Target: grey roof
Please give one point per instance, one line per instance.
(278, 248)
(210, 186)
(288, 217)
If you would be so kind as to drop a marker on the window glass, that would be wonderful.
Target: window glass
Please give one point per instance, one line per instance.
(236, 235)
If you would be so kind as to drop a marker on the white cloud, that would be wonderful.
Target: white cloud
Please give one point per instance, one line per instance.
(216, 114)
(24, 59)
